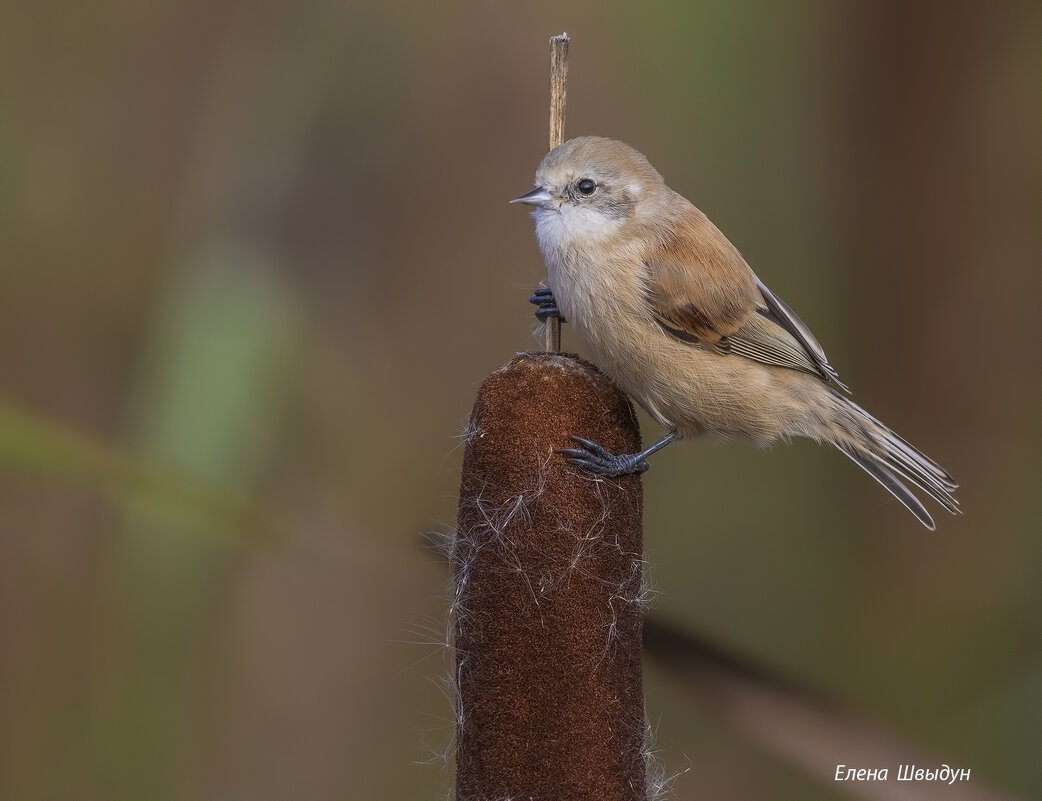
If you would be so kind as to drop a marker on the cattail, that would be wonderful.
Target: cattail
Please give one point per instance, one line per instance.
(548, 565)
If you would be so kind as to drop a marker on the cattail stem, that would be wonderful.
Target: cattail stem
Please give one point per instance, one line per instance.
(548, 575)
(558, 96)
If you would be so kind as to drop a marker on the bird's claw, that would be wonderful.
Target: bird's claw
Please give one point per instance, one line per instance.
(595, 459)
(543, 297)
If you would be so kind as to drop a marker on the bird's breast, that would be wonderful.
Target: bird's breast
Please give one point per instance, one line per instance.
(601, 296)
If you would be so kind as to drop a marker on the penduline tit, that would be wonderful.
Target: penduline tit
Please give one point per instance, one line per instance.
(668, 308)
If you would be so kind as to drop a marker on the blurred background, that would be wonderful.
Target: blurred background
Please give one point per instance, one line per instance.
(255, 259)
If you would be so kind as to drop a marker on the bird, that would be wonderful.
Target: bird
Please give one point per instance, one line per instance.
(669, 309)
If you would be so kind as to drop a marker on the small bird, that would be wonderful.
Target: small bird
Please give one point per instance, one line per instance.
(668, 308)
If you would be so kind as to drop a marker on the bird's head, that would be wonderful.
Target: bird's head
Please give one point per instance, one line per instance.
(589, 187)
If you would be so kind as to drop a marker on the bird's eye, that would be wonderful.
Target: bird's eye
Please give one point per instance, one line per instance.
(586, 186)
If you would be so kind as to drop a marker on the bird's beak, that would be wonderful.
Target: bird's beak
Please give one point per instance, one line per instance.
(537, 197)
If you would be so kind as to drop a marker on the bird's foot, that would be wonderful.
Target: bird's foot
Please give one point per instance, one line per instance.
(595, 459)
(543, 297)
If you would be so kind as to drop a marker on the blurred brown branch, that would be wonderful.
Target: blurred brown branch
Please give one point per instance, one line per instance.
(800, 727)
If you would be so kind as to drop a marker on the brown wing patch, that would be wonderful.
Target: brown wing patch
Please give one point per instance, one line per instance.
(690, 322)
(698, 283)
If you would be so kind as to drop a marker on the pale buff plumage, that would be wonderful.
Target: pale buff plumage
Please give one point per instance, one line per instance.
(669, 309)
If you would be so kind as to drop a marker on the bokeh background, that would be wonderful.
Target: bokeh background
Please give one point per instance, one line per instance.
(256, 257)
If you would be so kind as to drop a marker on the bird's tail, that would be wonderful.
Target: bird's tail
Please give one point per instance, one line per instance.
(891, 460)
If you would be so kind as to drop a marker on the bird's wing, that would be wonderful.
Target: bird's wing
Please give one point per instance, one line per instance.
(701, 291)
(777, 311)
(765, 340)
(698, 285)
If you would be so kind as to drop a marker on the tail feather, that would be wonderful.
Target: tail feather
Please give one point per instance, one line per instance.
(893, 485)
(916, 456)
(938, 491)
(888, 458)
